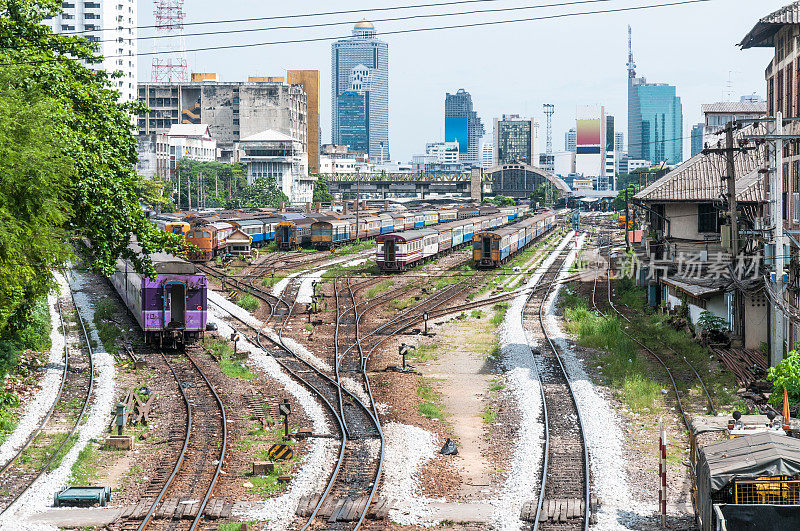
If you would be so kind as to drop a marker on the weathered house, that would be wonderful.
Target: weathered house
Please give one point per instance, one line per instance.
(686, 257)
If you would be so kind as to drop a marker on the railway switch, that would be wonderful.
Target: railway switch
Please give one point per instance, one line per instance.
(285, 409)
(235, 340)
(403, 348)
(119, 420)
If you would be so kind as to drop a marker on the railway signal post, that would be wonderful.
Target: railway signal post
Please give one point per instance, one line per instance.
(662, 472)
(285, 409)
(404, 350)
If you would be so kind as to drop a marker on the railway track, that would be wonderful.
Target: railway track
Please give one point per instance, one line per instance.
(60, 423)
(179, 496)
(563, 501)
(659, 359)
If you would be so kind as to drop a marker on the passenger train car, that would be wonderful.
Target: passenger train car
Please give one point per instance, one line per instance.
(170, 310)
(493, 247)
(400, 251)
(292, 233)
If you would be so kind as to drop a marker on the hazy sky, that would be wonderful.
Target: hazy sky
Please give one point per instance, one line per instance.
(508, 68)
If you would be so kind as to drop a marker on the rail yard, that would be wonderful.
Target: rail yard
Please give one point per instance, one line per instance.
(385, 370)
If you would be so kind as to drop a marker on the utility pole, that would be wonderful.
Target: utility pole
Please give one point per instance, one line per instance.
(777, 327)
(729, 153)
(627, 221)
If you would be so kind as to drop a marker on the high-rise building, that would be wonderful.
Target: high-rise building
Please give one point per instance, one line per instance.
(360, 80)
(655, 118)
(619, 141)
(112, 25)
(697, 138)
(487, 155)
(516, 140)
(462, 125)
(309, 80)
(571, 140)
(232, 110)
(591, 140)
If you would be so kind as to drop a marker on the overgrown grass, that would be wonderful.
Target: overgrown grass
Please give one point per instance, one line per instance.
(248, 302)
(227, 364)
(339, 270)
(270, 281)
(497, 384)
(476, 314)
(9, 414)
(236, 526)
(424, 352)
(355, 247)
(84, 469)
(107, 329)
(431, 404)
(489, 415)
(500, 310)
(400, 304)
(380, 287)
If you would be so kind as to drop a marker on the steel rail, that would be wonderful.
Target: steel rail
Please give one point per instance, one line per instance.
(80, 415)
(55, 402)
(545, 464)
(179, 462)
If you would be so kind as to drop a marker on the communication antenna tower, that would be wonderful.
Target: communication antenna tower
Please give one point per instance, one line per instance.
(549, 109)
(169, 64)
(631, 64)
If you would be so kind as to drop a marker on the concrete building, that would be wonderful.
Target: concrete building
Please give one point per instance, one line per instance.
(516, 140)
(619, 141)
(274, 154)
(635, 164)
(438, 157)
(462, 124)
(571, 140)
(716, 115)
(487, 155)
(564, 163)
(232, 110)
(160, 154)
(341, 159)
(360, 92)
(112, 25)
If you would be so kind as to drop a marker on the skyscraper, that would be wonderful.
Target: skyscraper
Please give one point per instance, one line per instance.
(360, 85)
(697, 138)
(112, 25)
(619, 141)
(655, 118)
(516, 140)
(462, 125)
(571, 140)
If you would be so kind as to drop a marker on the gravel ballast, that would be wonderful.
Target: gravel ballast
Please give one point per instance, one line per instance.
(522, 482)
(407, 449)
(36, 409)
(603, 432)
(39, 496)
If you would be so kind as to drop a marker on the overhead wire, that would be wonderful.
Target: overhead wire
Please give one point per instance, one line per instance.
(395, 32)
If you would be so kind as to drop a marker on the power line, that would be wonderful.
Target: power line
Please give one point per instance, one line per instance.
(399, 32)
(388, 19)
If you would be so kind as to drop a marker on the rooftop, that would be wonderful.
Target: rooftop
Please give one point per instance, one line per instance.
(702, 177)
(199, 130)
(763, 33)
(731, 107)
(269, 135)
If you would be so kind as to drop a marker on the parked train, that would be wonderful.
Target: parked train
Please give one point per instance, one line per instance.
(171, 310)
(491, 248)
(400, 251)
(289, 230)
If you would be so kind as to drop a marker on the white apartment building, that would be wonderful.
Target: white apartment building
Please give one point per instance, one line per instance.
(112, 25)
(273, 154)
(184, 141)
(329, 165)
(487, 155)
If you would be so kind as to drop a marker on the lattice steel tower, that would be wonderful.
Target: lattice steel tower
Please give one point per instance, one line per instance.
(170, 64)
(549, 110)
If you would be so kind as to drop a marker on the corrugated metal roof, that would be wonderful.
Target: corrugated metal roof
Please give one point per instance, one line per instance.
(735, 107)
(763, 33)
(702, 178)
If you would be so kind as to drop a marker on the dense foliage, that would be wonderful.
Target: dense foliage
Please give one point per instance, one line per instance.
(264, 192)
(212, 184)
(67, 162)
(619, 201)
(321, 192)
(500, 200)
(786, 375)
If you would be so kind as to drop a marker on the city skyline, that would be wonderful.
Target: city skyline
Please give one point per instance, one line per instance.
(419, 84)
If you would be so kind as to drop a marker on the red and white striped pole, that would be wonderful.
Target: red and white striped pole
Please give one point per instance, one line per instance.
(662, 472)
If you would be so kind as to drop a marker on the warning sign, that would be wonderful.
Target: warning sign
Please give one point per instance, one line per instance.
(281, 452)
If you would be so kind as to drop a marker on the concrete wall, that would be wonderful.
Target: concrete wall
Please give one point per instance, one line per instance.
(216, 110)
(755, 320)
(683, 220)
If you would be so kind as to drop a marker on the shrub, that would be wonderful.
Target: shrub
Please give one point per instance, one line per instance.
(786, 375)
(712, 323)
(248, 302)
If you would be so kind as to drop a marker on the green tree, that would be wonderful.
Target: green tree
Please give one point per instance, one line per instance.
(785, 374)
(155, 194)
(321, 192)
(95, 134)
(264, 192)
(619, 201)
(219, 181)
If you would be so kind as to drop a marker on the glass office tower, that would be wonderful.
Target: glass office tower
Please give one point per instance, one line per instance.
(462, 125)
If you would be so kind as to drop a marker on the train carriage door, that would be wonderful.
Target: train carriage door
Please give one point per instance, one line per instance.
(390, 250)
(284, 234)
(175, 301)
(487, 246)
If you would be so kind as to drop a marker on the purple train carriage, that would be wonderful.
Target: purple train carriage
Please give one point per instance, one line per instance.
(171, 310)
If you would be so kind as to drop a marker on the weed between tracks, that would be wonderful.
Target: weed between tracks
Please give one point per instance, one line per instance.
(230, 367)
(431, 405)
(339, 270)
(84, 469)
(263, 438)
(248, 302)
(106, 326)
(270, 281)
(379, 288)
(236, 526)
(500, 310)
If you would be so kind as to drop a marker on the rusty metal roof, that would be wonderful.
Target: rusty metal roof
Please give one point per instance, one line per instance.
(763, 33)
(702, 177)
